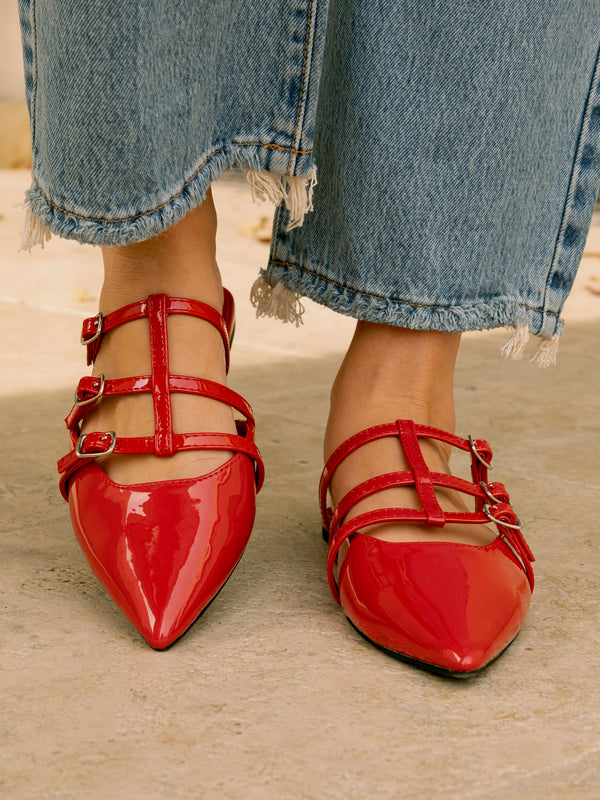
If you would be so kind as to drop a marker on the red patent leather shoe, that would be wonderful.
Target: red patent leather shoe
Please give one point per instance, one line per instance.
(164, 549)
(445, 607)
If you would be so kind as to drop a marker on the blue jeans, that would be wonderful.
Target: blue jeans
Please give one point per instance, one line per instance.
(457, 143)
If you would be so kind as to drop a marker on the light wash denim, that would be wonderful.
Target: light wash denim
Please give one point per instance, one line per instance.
(457, 143)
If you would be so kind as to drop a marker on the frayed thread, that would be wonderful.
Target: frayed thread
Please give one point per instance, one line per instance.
(276, 301)
(34, 232)
(515, 346)
(296, 192)
(546, 352)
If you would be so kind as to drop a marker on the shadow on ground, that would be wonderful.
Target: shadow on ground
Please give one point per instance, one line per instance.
(271, 694)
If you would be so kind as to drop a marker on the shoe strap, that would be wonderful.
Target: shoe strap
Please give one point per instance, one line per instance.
(392, 480)
(95, 444)
(409, 433)
(501, 514)
(491, 499)
(421, 474)
(94, 328)
(91, 389)
(159, 359)
(160, 384)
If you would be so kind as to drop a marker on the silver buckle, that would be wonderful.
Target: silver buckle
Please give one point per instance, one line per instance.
(492, 518)
(483, 485)
(477, 455)
(99, 317)
(95, 397)
(108, 435)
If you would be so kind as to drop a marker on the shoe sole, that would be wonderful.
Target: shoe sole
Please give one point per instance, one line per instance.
(434, 669)
(425, 665)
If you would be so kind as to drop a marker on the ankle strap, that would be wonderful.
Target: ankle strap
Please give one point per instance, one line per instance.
(93, 445)
(409, 433)
(94, 328)
(492, 503)
(160, 383)
(91, 389)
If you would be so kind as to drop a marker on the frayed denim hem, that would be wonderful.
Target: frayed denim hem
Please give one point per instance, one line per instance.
(278, 290)
(265, 170)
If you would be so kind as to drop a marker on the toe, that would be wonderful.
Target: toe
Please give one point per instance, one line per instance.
(453, 606)
(163, 550)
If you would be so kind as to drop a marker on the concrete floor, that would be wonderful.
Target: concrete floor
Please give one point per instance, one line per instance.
(272, 694)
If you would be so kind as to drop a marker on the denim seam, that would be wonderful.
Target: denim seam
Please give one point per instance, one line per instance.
(573, 180)
(173, 197)
(302, 80)
(287, 264)
(34, 66)
(293, 150)
(540, 310)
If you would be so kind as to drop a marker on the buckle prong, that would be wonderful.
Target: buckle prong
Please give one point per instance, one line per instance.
(492, 518)
(478, 455)
(108, 435)
(93, 338)
(484, 487)
(95, 397)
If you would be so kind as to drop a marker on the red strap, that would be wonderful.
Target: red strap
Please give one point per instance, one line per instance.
(343, 451)
(228, 313)
(491, 498)
(372, 434)
(393, 480)
(99, 443)
(88, 388)
(165, 442)
(481, 460)
(94, 328)
(422, 476)
(508, 526)
(96, 443)
(159, 356)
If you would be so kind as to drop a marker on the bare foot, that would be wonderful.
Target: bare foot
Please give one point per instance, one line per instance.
(389, 374)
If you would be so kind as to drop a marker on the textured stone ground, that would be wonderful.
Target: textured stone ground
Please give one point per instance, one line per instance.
(272, 694)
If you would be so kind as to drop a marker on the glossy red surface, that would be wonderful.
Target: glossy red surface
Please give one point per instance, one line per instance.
(449, 605)
(163, 550)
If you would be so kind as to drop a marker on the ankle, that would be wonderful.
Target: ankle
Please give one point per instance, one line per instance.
(391, 373)
(180, 262)
(131, 280)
